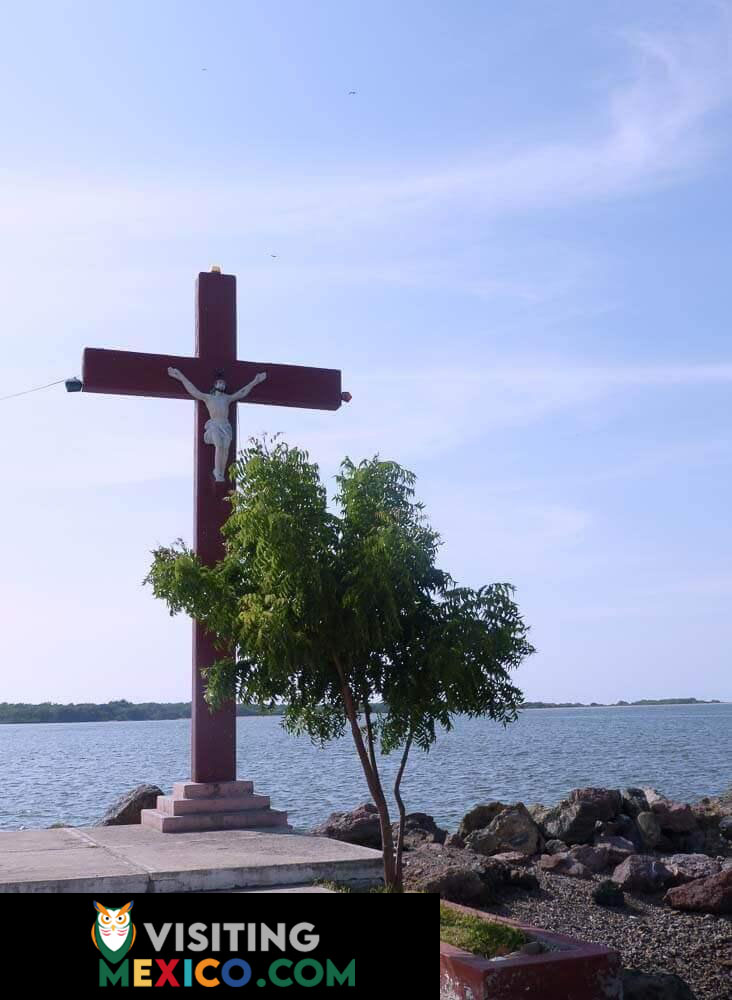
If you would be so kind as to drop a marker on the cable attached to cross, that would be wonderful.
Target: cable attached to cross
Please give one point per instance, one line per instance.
(72, 385)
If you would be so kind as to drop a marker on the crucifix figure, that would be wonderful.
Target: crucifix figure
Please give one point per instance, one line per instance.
(213, 751)
(218, 430)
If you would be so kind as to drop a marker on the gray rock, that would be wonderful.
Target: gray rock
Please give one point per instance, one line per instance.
(454, 840)
(460, 876)
(512, 829)
(597, 859)
(654, 986)
(618, 848)
(563, 864)
(479, 817)
(555, 847)
(634, 801)
(622, 826)
(523, 879)
(419, 828)
(696, 843)
(650, 829)
(642, 873)
(653, 796)
(572, 822)
(359, 826)
(674, 817)
(687, 867)
(126, 810)
(514, 859)
(538, 813)
(605, 801)
(725, 827)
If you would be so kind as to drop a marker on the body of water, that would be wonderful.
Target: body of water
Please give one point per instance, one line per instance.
(71, 772)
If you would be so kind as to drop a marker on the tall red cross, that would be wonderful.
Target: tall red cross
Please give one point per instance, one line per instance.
(213, 734)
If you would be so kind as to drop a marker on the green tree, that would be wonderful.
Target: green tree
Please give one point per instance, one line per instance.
(344, 617)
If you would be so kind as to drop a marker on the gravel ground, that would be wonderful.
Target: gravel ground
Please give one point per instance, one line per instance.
(649, 935)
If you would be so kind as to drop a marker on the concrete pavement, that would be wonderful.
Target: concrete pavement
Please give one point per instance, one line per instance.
(136, 859)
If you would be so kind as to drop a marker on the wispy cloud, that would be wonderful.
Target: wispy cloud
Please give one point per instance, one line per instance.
(648, 131)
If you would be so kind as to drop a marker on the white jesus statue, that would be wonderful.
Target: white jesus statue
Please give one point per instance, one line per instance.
(218, 430)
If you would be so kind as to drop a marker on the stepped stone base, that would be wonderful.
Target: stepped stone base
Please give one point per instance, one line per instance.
(227, 805)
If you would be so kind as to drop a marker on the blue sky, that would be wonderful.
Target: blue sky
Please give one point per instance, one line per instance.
(514, 240)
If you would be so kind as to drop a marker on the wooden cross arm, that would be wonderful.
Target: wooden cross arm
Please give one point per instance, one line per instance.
(129, 373)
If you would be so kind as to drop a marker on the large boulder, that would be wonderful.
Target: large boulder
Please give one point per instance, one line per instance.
(572, 822)
(359, 826)
(618, 848)
(706, 895)
(674, 817)
(688, 867)
(642, 873)
(479, 817)
(564, 864)
(622, 826)
(597, 859)
(634, 801)
(654, 986)
(653, 796)
(419, 828)
(714, 818)
(538, 813)
(512, 829)
(126, 810)
(650, 829)
(460, 876)
(605, 801)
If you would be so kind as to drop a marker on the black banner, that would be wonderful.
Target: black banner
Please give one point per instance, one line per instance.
(305, 944)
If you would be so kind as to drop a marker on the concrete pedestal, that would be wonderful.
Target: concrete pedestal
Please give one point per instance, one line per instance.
(200, 806)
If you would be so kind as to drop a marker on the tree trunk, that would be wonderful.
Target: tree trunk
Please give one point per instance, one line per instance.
(402, 814)
(372, 779)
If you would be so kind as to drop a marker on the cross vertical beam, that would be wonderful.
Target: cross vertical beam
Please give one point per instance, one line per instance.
(213, 734)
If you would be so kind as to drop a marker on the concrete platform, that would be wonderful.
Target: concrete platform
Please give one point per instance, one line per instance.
(135, 859)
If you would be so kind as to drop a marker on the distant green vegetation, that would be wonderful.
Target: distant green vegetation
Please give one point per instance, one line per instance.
(127, 711)
(479, 936)
(112, 711)
(616, 704)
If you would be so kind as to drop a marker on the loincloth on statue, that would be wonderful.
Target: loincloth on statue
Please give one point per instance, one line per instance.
(218, 432)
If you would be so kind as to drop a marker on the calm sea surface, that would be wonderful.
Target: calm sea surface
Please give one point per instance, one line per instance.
(72, 772)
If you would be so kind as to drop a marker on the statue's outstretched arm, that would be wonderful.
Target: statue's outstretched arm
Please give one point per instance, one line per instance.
(245, 390)
(187, 385)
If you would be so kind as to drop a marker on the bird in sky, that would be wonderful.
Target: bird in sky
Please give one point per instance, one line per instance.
(350, 92)
(273, 255)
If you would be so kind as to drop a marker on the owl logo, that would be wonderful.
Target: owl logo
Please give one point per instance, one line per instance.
(113, 932)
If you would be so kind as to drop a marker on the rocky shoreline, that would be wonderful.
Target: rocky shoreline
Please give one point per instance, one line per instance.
(628, 868)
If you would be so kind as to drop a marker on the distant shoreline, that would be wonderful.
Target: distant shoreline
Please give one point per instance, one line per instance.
(126, 711)
(642, 703)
